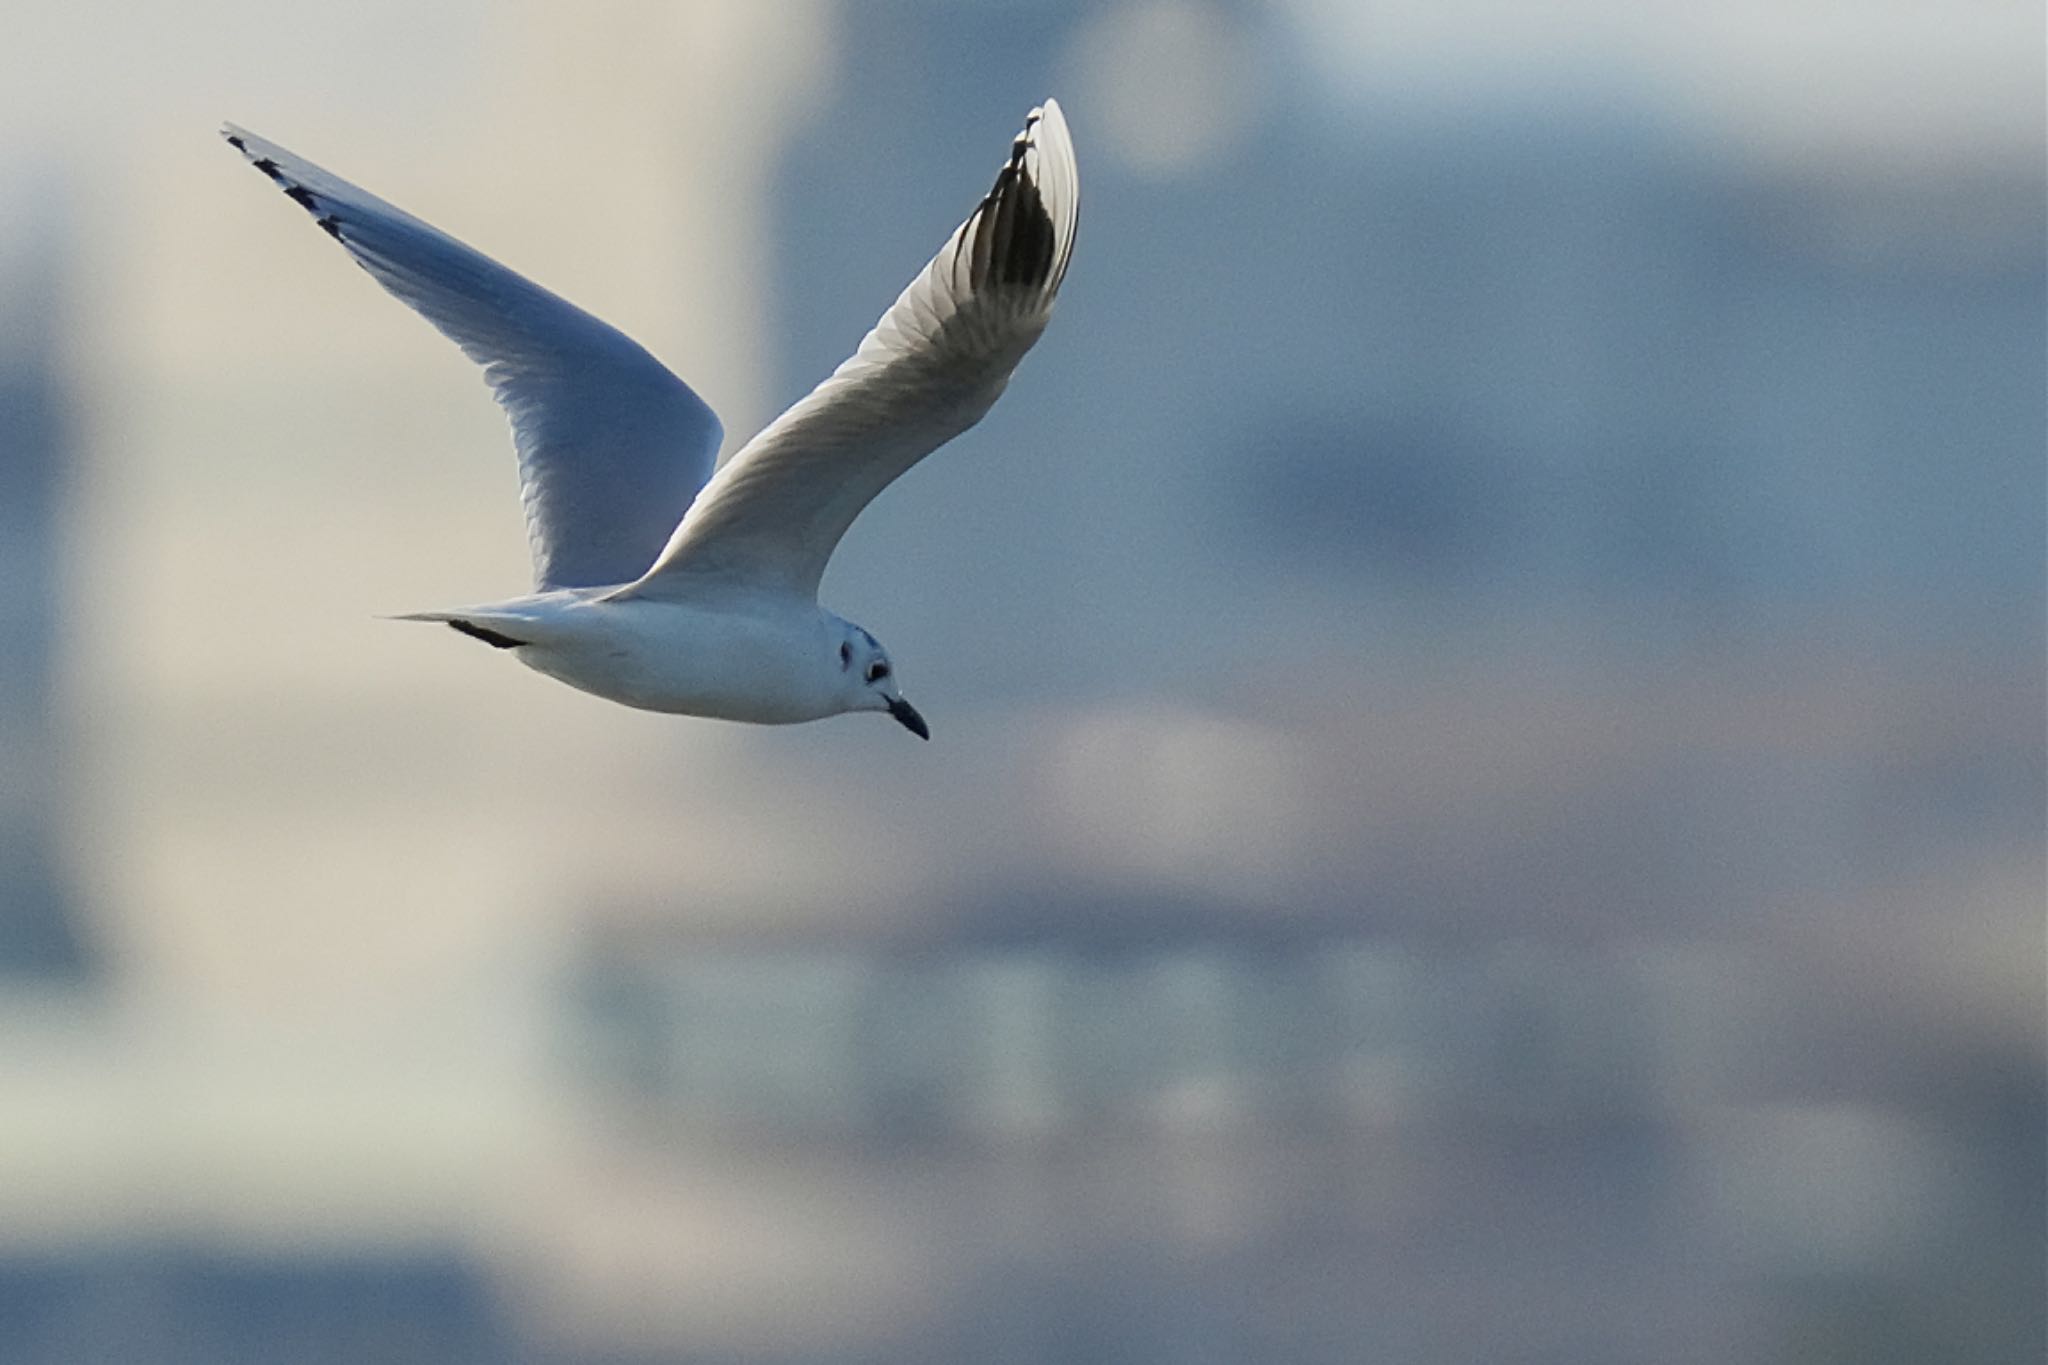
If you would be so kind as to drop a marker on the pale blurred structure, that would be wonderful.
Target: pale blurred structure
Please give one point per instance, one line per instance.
(1488, 791)
(39, 934)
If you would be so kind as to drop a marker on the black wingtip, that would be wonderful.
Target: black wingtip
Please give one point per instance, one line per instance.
(1019, 243)
(309, 200)
(1025, 240)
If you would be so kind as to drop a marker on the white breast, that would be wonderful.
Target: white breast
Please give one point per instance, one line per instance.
(759, 658)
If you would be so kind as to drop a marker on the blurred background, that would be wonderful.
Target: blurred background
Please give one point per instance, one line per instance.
(1487, 800)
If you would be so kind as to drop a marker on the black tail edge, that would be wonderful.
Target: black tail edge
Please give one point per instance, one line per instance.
(488, 636)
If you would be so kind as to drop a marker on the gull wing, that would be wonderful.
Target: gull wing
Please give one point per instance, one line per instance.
(930, 368)
(612, 446)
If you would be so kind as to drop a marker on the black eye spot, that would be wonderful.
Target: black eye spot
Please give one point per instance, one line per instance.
(845, 656)
(877, 671)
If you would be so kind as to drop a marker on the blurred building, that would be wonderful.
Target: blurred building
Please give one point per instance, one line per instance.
(1353, 386)
(40, 932)
(1554, 352)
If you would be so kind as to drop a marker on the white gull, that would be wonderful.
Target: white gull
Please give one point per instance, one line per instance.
(659, 583)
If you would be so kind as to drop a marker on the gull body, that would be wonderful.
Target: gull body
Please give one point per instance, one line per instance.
(766, 657)
(659, 583)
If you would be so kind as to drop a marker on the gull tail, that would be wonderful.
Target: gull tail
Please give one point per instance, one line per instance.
(496, 629)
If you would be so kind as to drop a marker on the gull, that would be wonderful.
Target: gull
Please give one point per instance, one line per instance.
(657, 582)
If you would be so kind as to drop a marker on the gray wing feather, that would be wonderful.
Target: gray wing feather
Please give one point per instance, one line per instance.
(936, 361)
(612, 446)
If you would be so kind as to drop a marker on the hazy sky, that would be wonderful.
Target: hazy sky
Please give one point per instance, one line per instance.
(1885, 78)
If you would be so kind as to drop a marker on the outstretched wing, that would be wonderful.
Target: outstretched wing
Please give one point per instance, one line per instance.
(931, 367)
(612, 446)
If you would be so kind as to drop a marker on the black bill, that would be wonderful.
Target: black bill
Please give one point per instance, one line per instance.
(911, 721)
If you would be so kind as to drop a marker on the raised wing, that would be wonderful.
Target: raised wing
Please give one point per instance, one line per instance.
(612, 446)
(930, 368)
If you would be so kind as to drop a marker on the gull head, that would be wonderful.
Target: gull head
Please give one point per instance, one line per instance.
(868, 681)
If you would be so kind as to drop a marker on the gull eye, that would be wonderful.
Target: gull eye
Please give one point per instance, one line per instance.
(845, 656)
(877, 671)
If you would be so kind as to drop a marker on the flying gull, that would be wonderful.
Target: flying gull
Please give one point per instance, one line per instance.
(657, 582)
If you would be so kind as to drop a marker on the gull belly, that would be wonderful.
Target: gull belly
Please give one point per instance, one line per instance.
(761, 658)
